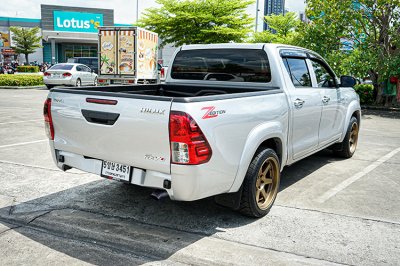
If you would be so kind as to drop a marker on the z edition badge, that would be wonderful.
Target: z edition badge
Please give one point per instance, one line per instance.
(211, 112)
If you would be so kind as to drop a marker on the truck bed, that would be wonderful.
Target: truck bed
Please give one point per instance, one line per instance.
(180, 93)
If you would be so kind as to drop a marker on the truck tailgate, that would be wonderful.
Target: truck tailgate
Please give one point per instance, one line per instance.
(129, 131)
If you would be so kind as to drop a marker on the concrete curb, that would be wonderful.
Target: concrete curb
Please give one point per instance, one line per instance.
(380, 108)
(22, 87)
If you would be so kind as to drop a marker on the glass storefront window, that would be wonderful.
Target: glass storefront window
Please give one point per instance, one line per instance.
(76, 50)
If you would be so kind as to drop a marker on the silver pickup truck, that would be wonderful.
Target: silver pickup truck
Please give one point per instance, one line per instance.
(225, 123)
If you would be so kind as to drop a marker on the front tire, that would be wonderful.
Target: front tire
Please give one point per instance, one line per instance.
(349, 144)
(261, 184)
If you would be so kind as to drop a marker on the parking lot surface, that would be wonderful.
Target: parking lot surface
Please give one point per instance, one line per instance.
(328, 210)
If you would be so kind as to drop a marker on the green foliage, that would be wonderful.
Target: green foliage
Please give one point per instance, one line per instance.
(21, 80)
(27, 40)
(28, 69)
(197, 21)
(366, 93)
(285, 27)
(283, 24)
(371, 26)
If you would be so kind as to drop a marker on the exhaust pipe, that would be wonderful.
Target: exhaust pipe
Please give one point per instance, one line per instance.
(159, 194)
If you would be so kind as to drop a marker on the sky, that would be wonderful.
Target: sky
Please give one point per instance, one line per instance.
(124, 10)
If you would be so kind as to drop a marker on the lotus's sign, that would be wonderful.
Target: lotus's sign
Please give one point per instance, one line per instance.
(77, 21)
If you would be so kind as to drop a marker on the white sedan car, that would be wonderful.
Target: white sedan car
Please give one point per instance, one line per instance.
(69, 74)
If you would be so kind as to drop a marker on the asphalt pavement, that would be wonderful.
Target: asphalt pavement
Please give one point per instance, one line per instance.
(328, 210)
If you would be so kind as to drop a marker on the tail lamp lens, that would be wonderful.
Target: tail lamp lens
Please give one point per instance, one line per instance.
(48, 121)
(188, 143)
(66, 74)
(47, 74)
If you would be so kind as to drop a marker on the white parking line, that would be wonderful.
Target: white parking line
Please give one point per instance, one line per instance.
(333, 191)
(22, 143)
(18, 122)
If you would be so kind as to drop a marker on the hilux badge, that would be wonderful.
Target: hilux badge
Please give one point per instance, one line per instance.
(152, 111)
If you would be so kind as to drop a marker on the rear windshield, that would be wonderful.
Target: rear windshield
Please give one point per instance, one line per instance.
(238, 65)
(62, 67)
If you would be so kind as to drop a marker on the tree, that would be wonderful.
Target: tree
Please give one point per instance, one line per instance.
(283, 24)
(285, 27)
(26, 40)
(199, 21)
(372, 27)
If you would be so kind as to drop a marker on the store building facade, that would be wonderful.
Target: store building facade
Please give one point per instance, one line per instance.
(66, 32)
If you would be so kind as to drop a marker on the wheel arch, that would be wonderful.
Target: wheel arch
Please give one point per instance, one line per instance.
(268, 135)
(354, 110)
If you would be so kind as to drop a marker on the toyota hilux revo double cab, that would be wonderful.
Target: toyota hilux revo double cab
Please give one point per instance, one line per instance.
(225, 123)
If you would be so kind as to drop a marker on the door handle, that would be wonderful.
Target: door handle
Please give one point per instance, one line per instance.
(326, 99)
(298, 103)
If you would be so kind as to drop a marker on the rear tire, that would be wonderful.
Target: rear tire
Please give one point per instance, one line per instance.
(78, 83)
(261, 184)
(49, 86)
(349, 144)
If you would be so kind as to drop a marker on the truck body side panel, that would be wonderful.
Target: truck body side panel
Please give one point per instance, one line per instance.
(228, 134)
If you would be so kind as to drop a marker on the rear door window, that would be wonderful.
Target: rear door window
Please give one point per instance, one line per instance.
(237, 65)
(298, 71)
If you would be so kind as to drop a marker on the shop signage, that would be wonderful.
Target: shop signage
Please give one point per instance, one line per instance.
(77, 21)
(8, 52)
(4, 39)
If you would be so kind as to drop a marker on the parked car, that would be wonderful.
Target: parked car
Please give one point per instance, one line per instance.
(92, 62)
(69, 74)
(225, 123)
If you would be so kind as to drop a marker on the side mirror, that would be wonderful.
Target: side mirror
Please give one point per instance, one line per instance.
(347, 81)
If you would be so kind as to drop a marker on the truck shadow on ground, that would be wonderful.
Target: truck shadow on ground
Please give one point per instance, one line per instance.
(127, 221)
(296, 172)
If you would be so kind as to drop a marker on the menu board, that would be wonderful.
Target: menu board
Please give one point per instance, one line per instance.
(147, 54)
(107, 52)
(126, 49)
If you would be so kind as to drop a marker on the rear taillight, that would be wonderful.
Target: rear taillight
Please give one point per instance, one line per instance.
(162, 72)
(101, 80)
(46, 74)
(66, 74)
(48, 121)
(188, 143)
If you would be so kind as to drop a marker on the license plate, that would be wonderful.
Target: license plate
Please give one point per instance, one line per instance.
(116, 171)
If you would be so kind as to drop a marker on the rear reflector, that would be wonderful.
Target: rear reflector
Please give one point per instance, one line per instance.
(131, 81)
(188, 143)
(101, 101)
(48, 121)
(101, 80)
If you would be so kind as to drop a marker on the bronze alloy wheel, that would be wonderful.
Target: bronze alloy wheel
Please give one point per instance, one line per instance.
(267, 183)
(353, 137)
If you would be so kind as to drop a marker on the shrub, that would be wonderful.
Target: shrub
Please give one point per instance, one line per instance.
(366, 93)
(21, 80)
(28, 69)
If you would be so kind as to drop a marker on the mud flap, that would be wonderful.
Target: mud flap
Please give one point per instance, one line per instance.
(230, 200)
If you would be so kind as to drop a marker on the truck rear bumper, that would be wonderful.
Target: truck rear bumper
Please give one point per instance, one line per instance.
(187, 184)
(140, 177)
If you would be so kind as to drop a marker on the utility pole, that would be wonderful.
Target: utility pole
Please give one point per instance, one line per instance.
(137, 11)
(255, 30)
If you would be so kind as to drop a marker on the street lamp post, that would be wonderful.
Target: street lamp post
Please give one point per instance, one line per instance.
(137, 11)
(255, 30)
